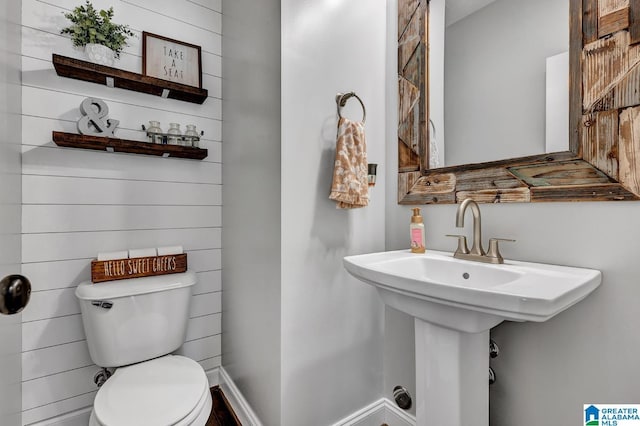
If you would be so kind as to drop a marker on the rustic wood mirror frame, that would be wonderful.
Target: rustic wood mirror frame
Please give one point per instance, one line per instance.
(603, 161)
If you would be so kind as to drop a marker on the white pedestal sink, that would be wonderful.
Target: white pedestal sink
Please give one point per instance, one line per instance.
(455, 303)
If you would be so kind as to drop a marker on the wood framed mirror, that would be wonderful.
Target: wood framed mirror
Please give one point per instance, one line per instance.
(602, 162)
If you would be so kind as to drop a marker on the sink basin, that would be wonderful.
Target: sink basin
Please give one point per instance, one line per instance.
(455, 303)
(515, 291)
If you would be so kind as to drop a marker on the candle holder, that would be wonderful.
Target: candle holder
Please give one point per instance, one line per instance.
(190, 138)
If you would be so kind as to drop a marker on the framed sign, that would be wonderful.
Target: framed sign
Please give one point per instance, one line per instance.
(171, 60)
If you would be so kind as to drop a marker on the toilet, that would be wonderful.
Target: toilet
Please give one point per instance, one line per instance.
(134, 325)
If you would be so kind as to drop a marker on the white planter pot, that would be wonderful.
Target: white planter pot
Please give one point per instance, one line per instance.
(99, 54)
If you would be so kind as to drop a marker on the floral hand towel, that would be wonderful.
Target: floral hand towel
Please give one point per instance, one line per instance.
(350, 188)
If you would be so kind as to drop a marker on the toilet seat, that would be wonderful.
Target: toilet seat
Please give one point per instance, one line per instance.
(169, 391)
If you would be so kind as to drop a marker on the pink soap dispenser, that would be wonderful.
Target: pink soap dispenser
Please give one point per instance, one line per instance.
(417, 232)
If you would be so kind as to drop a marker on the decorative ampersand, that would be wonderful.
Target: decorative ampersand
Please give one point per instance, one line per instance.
(91, 123)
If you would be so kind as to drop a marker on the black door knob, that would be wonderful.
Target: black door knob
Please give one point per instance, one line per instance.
(15, 291)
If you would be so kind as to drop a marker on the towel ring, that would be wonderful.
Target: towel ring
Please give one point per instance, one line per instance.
(341, 100)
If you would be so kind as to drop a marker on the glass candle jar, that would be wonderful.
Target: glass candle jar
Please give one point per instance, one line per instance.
(174, 135)
(154, 132)
(191, 136)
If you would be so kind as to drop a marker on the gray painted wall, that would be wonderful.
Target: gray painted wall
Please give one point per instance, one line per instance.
(322, 358)
(546, 371)
(251, 202)
(494, 81)
(332, 324)
(302, 339)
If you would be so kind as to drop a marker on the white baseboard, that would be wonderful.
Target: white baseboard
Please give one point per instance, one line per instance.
(240, 405)
(396, 416)
(372, 414)
(377, 413)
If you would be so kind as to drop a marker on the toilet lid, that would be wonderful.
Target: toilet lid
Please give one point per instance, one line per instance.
(158, 392)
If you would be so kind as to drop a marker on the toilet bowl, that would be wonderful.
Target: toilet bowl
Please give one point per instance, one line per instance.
(134, 325)
(171, 390)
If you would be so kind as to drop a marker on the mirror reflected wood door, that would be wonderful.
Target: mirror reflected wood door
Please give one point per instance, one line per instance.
(603, 159)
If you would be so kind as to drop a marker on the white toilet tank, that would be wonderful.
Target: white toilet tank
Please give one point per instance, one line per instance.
(133, 320)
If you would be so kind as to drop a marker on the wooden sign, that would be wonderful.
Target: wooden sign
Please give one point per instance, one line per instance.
(171, 60)
(120, 269)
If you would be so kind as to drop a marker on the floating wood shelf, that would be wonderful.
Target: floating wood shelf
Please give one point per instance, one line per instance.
(72, 140)
(113, 77)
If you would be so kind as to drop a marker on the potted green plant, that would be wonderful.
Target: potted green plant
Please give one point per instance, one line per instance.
(103, 40)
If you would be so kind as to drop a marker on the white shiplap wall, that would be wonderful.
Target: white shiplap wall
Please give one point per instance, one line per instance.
(78, 202)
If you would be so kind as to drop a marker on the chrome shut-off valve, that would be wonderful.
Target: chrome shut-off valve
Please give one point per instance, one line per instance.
(494, 350)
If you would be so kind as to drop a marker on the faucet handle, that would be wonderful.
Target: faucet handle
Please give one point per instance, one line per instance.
(494, 250)
(462, 243)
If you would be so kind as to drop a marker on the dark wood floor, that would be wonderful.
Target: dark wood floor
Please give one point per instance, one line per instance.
(221, 413)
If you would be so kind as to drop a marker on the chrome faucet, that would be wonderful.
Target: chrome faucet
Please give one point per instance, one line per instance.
(476, 253)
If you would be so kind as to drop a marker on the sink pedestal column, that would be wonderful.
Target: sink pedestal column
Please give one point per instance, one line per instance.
(452, 376)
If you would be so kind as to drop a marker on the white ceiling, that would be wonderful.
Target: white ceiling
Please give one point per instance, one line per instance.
(455, 10)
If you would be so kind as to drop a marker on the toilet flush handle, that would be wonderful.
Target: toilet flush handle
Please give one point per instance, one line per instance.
(105, 304)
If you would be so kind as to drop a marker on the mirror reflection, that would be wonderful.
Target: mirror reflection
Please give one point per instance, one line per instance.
(498, 79)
